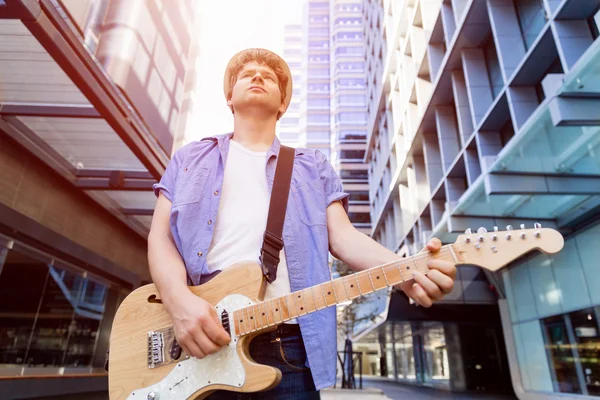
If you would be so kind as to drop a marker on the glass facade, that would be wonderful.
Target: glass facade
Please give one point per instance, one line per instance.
(50, 317)
(554, 304)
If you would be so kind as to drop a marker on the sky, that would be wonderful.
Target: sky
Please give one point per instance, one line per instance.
(226, 27)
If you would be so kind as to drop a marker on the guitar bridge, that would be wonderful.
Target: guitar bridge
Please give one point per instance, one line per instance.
(156, 348)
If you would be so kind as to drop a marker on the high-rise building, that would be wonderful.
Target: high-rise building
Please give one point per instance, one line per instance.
(348, 107)
(289, 124)
(482, 114)
(92, 97)
(315, 112)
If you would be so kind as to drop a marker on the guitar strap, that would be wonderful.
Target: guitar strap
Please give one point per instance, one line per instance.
(273, 237)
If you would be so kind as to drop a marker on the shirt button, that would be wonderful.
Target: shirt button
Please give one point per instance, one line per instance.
(185, 169)
(210, 221)
(216, 192)
(200, 254)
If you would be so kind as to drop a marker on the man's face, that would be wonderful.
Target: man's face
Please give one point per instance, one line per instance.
(257, 86)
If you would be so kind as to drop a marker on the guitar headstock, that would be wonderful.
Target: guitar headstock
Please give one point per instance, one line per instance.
(493, 250)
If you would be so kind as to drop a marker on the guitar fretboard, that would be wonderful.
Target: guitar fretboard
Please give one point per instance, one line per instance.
(281, 309)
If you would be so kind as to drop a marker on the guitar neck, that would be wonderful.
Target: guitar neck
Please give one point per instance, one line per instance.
(281, 309)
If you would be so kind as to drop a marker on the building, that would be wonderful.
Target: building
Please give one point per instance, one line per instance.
(93, 94)
(289, 124)
(482, 114)
(348, 107)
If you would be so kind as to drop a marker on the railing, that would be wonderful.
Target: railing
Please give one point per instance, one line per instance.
(348, 364)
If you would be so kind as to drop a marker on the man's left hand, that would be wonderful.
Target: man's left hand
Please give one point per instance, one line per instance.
(439, 281)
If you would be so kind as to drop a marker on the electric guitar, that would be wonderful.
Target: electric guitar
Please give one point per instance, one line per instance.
(146, 363)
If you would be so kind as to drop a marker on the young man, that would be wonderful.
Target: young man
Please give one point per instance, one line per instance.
(211, 213)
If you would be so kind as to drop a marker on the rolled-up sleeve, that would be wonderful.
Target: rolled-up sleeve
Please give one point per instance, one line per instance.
(167, 182)
(332, 184)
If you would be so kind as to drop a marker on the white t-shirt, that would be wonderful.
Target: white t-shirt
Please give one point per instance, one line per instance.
(242, 217)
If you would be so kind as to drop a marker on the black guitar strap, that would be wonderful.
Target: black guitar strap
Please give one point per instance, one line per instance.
(273, 238)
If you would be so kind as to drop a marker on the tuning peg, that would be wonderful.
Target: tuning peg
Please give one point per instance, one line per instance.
(537, 225)
(509, 227)
(522, 226)
(495, 229)
(468, 231)
(481, 230)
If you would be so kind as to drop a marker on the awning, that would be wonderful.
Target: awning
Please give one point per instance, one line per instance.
(56, 100)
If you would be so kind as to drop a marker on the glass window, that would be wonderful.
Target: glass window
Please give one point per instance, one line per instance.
(318, 44)
(561, 355)
(359, 196)
(354, 174)
(318, 31)
(352, 154)
(586, 328)
(350, 50)
(532, 19)
(351, 66)
(320, 72)
(349, 36)
(350, 82)
(290, 121)
(318, 118)
(359, 218)
(50, 317)
(348, 21)
(352, 135)
(318, 102)
(352, 99)
(355, 117)
(320, 136)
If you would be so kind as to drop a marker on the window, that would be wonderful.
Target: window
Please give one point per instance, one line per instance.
(348, 21)
(318, 118)
(317, 102)
(352, 135)
(290, 121)
(532, 19)
(355, 117)
(318, 44)
(359, 100)
(349, 50)
(354, 174)
(320, 72)
(318, 32)
(359, 218)
(352, 154)
(349, 36)
(359, 196)
(350, 82)
(317, 136)
(351, 66)
(50, 317)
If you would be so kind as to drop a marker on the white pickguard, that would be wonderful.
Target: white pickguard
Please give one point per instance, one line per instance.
(223, 367)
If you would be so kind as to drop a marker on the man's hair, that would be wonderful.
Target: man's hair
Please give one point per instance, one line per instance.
(264, 58)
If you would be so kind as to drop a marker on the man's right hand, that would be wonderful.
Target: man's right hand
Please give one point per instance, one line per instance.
(197, 327)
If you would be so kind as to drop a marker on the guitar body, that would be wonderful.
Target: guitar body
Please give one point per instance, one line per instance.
(232, 368)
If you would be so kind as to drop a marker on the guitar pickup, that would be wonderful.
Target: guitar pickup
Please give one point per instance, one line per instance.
(225, 321)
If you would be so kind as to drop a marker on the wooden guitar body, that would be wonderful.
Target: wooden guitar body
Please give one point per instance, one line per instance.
(130, 376)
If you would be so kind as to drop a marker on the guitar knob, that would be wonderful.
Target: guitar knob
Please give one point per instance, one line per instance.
(509, 227)
(495, 229)
(537, 225)
(152, 396)
(481, 230)
(522, 226)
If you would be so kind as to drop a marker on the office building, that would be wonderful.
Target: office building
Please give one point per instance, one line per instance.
(484, 113)
(93, 94)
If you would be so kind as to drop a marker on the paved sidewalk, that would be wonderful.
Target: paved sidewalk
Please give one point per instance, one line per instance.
(394, 390)
(348, 394)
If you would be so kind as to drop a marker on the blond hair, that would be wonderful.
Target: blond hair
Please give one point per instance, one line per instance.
(262, 57)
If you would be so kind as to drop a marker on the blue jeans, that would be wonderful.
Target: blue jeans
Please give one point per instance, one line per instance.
(283, 349)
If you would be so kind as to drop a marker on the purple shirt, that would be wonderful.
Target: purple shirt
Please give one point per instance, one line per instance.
(193, 181)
